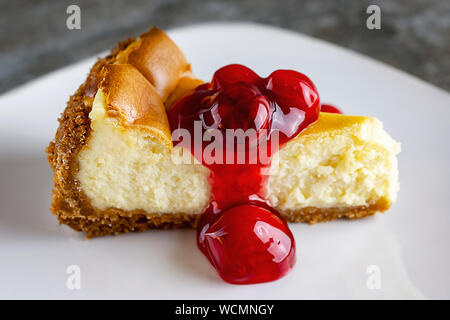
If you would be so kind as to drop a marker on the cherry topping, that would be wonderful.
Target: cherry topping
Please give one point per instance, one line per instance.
(329, 108)
(245, 239)
(232, 74)
(250, 244)
(298, 99)
(293, 89)
(287, 101)
(241, 106)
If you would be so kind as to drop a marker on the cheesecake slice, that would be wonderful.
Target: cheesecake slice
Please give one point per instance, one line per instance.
(117, 170)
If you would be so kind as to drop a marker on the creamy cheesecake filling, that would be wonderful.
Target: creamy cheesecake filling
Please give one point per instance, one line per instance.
(128, 169)
(353, 166)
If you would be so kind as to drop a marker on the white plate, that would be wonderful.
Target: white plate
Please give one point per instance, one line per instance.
(409, 245)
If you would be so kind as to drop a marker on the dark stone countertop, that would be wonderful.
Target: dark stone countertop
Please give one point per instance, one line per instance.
(414, 35)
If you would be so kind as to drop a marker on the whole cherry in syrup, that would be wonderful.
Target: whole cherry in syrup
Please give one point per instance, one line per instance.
(329, 108)
(250, 244)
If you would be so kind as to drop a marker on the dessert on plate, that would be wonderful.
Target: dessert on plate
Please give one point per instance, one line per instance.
(144, 144)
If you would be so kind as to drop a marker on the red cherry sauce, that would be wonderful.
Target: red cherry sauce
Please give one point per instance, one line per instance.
(329, 108)
(244, 238)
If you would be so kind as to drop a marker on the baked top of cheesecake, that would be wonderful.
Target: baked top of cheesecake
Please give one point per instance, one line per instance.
(113, 155)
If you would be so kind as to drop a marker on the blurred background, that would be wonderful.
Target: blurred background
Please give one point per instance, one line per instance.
(414, 35)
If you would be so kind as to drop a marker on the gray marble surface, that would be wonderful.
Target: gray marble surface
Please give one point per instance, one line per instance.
(415, 34)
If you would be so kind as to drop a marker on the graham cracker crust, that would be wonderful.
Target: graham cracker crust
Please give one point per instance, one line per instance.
(117, 221)
(74, 209)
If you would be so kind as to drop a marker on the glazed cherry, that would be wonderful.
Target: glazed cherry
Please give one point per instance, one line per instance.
(232, 74)
(329, 108)
(293, 89)
(250, 244)
(243, 107)
(298, 99)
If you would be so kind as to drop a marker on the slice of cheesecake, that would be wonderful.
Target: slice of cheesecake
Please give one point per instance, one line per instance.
(340, 166)
(116, 169)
